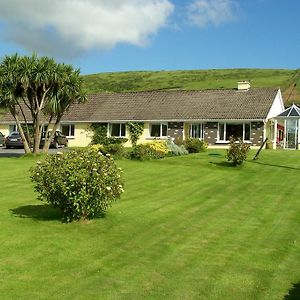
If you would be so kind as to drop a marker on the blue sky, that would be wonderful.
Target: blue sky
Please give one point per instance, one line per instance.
(126, 35)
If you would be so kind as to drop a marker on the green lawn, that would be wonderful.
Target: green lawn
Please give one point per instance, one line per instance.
(186, 228)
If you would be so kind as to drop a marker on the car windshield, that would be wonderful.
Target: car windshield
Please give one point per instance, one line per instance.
(14, 134)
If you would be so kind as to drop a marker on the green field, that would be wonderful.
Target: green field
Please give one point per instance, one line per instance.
(186, 228)
(194, 80)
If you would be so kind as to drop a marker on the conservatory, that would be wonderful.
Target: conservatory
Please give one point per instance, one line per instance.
(290, 119)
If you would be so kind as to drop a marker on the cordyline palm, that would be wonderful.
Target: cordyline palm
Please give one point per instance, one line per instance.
(66, 95)
(10, 93)
(44, 87)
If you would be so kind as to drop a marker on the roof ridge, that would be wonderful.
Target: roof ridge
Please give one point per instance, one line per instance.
(180, 90)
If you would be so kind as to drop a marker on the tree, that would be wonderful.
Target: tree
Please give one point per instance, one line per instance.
(44, 88)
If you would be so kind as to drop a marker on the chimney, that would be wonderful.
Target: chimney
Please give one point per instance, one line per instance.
(243, 85)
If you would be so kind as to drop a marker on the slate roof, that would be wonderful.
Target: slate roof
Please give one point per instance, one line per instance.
(292, 111)
(252, 104)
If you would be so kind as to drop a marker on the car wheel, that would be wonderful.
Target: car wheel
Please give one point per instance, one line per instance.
(7, 147)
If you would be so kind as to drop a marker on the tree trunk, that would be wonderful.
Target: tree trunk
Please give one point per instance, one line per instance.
(36, 137)
(23, 137)
(49, 139)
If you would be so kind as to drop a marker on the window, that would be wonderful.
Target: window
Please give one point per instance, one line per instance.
(117, 129)
(68, 130)
(158, 130)
(237, 130)
(13, 128)
(196, 131)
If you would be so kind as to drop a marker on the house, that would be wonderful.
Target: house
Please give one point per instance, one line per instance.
(211, 115)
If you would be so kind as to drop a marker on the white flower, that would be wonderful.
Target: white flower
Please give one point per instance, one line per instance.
(108, 155)
(94, 169)
(122, 190)
(38, 162)
(59, 153)
(100, 153)
(120, 169)
(108, 188)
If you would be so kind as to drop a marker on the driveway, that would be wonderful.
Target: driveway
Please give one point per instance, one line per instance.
(19, 152)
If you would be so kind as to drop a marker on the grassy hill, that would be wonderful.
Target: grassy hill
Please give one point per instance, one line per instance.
(195, 79)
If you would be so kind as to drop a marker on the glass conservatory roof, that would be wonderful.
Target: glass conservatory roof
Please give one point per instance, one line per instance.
(292, 111)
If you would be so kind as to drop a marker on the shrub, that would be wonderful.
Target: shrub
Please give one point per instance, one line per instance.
(116, 150)
(152, 150)
(176, 150)
(141, 152)
(82, 183)
(159, 148)
(237, 151)
(194, 145)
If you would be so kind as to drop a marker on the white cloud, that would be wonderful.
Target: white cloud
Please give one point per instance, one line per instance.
(205, 12)
(70, 27)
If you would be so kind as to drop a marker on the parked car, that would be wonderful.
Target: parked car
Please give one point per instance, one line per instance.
(14, 140)
(2, 139)
(58, 140)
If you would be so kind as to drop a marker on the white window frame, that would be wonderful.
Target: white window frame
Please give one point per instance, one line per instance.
(109, 128)
(191, 131)
(160, 130)
(14, 127)
(69, 131)
(223, 139)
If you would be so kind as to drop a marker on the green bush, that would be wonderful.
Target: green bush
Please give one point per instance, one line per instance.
(82, 183)
(117, 150)
(237, 151)
(175, 150)
(194, 145)
(152, 150)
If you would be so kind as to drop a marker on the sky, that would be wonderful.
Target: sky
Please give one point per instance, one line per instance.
(128, 35)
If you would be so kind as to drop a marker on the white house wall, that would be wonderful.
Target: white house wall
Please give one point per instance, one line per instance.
(277, 106)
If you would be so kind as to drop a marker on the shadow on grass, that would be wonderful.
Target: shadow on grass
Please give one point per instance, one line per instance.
(225, 164)
(273, 165)
(294, 293)
(44, 212)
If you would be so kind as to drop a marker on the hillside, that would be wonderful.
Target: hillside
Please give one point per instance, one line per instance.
(195, 79)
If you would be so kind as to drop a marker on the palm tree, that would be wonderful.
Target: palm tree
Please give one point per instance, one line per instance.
(43, 87)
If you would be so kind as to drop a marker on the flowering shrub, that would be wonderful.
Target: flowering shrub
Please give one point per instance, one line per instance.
(159, 147)
(237, 151)
(82, 183)
(194, 145)
(155, 149)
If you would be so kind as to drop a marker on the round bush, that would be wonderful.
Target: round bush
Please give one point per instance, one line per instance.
(82, 183)
(194, 145)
